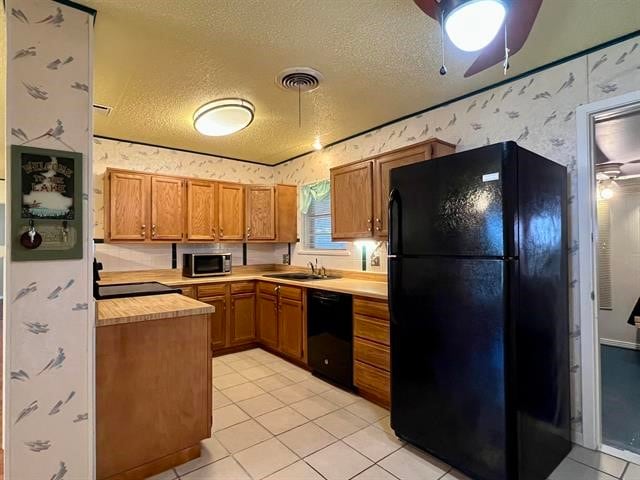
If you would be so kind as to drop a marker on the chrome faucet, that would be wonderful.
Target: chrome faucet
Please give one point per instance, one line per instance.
(313, 268)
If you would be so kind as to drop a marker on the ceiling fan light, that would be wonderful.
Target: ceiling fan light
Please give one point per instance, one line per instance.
(223, 117)
(473, 24)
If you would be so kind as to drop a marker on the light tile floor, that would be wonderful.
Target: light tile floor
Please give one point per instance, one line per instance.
(273, 420)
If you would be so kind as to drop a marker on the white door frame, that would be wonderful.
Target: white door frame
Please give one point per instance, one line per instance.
(587, 238)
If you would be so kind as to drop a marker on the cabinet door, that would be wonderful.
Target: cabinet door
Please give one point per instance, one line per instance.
(218, 323)
(261, 212)
(287, 213)
(167, 210)
(128, 206)
(201, 211)
(382, 167)
(290, 317)
(352, 201)
(243, 322)
(230, 211)
(267, 320)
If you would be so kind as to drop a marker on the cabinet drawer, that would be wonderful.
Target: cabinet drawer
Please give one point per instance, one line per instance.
(371, 329)
(188, 291)
(292, 293)
(212, 290)
(373, 382)
(243, 287)
(267, 288)
(372, 353)
(371, 308)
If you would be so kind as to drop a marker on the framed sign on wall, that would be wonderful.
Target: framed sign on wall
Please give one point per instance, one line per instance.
(46, 198)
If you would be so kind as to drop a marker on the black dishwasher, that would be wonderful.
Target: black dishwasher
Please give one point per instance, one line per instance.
(330, 336)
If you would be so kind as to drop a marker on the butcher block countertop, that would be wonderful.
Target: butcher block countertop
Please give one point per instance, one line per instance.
(118, 311)
(354, 284)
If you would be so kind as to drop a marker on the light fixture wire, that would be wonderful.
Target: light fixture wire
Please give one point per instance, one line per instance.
(443, 68)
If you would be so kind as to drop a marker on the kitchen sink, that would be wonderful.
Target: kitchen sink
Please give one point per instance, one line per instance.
(302, 277)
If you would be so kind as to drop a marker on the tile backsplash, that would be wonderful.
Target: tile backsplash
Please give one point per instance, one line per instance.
(128, 257)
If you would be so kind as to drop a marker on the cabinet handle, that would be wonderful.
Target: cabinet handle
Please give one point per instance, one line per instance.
(153, 230)
(369, 220)
(142, 230)
(221, 232)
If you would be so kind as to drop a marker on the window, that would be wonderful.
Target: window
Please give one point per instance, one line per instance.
(316, 217)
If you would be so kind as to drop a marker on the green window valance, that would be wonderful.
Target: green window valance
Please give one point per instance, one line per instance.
(314, 191)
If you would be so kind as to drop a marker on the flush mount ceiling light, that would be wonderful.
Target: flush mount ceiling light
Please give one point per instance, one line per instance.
(472, 24)
(223, 117)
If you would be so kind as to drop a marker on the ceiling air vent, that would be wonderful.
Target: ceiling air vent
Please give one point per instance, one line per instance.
(303, 79)
(103, 110)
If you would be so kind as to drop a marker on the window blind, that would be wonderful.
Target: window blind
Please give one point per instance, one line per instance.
(605, 293)
(317, 226)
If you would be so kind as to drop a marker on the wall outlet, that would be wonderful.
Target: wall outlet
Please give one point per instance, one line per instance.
(375, 260)
(285, 259)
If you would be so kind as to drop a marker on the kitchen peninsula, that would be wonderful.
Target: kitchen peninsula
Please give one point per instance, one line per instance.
(153, 384)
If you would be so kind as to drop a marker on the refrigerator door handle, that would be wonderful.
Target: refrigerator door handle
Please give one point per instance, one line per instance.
(394, 199)
(394, 249)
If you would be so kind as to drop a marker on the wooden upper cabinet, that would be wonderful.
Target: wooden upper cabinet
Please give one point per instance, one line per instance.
(127, 207)
(230, 211)
(352, 200)
(382, 168)
(261, 212)
(359, 191)
(167, 208)
(143, 207)
(201, 211)
(287, 213)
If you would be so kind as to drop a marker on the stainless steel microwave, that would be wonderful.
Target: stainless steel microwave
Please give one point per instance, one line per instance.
(206, 264)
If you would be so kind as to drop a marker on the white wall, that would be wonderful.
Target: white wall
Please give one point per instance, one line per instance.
(537, 111)
(48, 397)
(625, 265)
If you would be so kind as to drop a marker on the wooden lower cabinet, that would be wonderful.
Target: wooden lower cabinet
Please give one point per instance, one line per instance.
(267, 320)
(291, 320)
(371, 352)
(274, 317)
(218, 323)
(243, 319)
(373, 383)
(145, 371)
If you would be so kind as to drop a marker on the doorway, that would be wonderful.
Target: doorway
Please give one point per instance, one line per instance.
(609, 222)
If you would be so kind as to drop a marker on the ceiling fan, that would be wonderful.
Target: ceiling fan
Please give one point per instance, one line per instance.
(473, 25)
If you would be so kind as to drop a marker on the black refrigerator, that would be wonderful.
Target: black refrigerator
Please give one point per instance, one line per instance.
(478, 297)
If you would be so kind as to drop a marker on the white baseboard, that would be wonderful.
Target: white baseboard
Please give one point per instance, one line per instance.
(620, 343)
(576, 437)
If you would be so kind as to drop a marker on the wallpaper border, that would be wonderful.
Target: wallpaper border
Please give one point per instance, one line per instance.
(546, 66)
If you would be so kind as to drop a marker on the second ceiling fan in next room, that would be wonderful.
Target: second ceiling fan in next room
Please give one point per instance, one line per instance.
(474, 25)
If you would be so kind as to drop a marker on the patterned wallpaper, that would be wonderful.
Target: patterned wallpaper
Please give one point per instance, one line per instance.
(142, 158)
(537, 111)
(49, 309)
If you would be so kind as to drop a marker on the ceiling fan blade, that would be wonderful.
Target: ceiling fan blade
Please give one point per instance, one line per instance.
(634, 161)
(520, 18)
(430, 7)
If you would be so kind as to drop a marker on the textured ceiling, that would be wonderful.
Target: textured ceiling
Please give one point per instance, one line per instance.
(157, 61)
